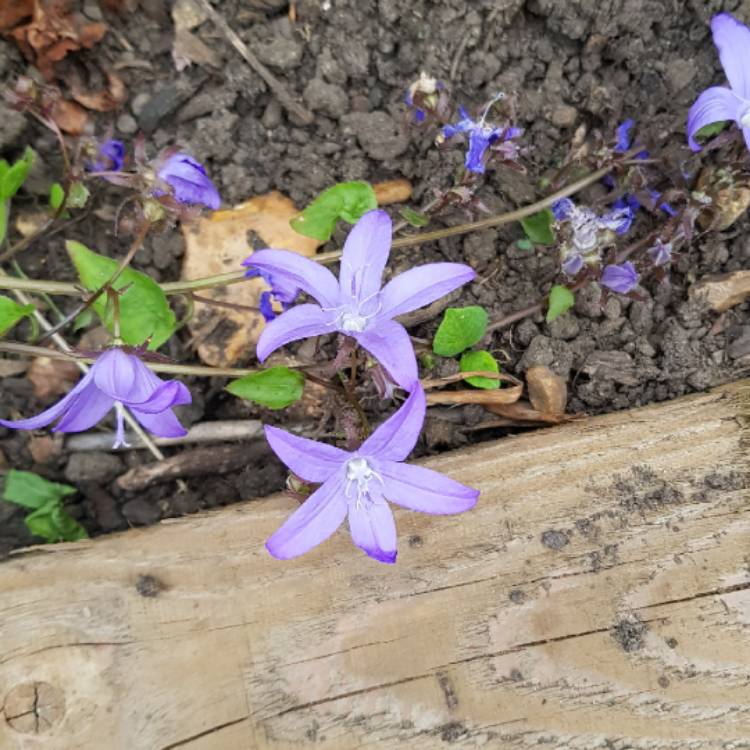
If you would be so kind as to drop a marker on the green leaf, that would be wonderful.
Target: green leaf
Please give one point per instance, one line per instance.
(56, 195)
(275, 388)
(538, 227)
(144, 310)
(32, 491)
(78, 196)
(346, 200)
(53, 524)
(4, 211)
(11, 312)
(524, 244)
(481, 361)
(708, 131)
(414, 217)
(561, 299)
(15, 175)
(460, 328)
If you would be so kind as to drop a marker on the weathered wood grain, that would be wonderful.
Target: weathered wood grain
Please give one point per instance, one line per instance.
(597, 597)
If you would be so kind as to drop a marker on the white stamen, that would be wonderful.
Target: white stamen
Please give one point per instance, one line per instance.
(360, 472)
(745, 119)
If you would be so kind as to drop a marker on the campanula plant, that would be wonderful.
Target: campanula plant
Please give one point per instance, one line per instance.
(117, 378)
(356, 304)
(358, 485)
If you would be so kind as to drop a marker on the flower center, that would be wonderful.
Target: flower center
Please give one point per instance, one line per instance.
(359, 473)
(353, 322)
(745, 119)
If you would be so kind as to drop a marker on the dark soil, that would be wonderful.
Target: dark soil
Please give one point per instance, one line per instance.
(582, 62)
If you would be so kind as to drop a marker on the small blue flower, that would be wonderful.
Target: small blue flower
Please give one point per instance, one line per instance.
(481, 136)
(621, 279)
(282, 290)
(660, 253)
(110, 157)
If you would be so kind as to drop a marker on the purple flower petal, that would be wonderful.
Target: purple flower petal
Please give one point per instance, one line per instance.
(164, 423)
(312, 523)
(732, 39)
(623, 136)
(419, 488)
(562, 209)
(479, 141)
(300, 322)
(123, 376)
(85, 411)
(395, 439)
(308, 459)
(621, 279)
(50, 415)
(422, 285)
(189, 182)
(167, 394)
(713, 105)
(390, 345)
(365, 254)
(373, 529)
(293, 269)
(572, 264)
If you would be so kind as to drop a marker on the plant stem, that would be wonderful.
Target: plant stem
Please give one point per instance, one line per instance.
(234, 277)
(134, 247)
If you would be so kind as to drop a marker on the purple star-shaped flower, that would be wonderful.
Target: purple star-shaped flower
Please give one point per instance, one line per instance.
(116, 379)
(189, 183)
(621, 279)
(718, 103)
(355, 305)
(481, 137)
(359, 484)
(282, 290)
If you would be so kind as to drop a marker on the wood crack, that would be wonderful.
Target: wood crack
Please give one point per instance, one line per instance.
(205, 733)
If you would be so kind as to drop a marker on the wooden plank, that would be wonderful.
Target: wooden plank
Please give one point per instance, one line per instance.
(598, 596)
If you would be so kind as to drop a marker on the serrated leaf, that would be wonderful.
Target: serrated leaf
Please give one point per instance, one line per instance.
(11, 313)
(144, 310)
(32, 491)
(414, 218)
(538, 227)
(561, 299)
(53, 524)
(16, 174)
(460, 328)
(481, 361)
(275, 388)
(708, 131)
(346, 200)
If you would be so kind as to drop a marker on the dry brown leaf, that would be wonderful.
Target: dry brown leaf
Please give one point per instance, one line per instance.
(187, 48)
(70, 117)
(53, 31)
(107, 99)
(723, 292)
(392, 191)
(52, 377)
(477, 396)
(12, 12)
(218, 243)
(523, 411)
(31, 223)
(548, 392)
(730, 198)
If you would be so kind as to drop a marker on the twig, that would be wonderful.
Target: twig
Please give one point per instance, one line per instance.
(459, 54)
(124, 263)
(213, 460)
(234, 277)
(204, 432)
(285, 98)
